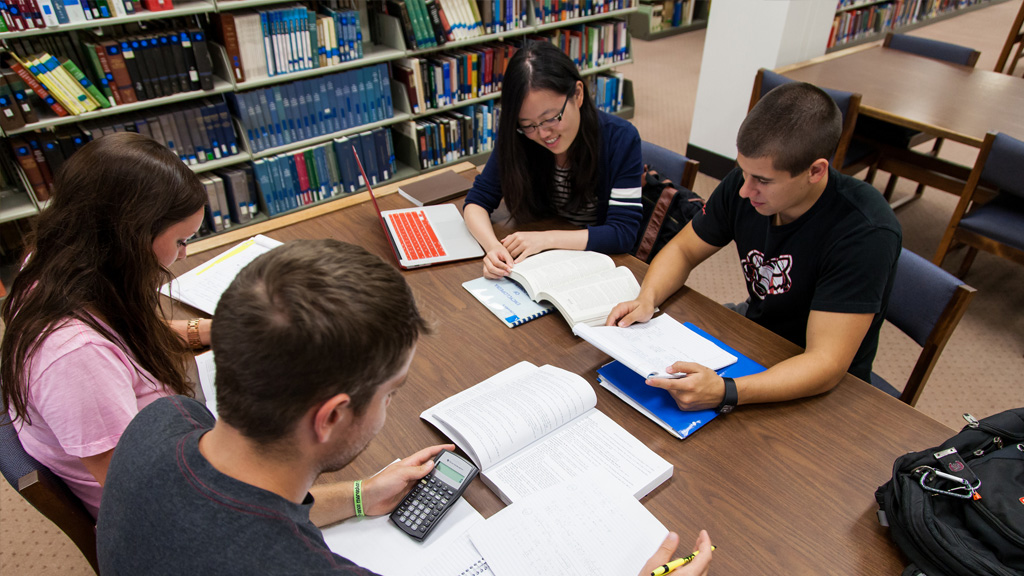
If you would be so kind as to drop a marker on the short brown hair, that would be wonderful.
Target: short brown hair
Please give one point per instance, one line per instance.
(794, 125)
(304, 322)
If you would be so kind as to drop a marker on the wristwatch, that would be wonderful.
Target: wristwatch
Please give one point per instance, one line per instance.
(731, 398)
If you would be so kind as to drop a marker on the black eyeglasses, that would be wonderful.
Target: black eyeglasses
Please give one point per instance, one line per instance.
(551, 122)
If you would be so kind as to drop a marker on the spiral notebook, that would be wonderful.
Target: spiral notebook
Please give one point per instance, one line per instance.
(507, 300)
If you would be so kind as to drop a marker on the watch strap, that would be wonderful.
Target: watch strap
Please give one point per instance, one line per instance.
(730, 399)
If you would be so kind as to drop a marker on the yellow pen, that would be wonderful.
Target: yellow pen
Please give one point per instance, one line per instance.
(666, 568)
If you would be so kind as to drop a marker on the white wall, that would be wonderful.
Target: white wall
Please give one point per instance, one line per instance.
(742, 36)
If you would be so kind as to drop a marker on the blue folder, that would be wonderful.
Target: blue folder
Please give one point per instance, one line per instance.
(657, 404)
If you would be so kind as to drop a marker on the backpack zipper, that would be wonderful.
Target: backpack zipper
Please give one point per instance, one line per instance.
(998, 524)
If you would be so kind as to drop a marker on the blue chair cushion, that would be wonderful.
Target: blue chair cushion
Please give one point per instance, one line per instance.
(944, 51)
(14, 461)
(770, 80)
(668, 163)
(1002, 168)
(1002, 220)
(919, 295)
(880, 383)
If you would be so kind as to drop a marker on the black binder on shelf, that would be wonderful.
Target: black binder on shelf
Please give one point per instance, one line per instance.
(204, 65)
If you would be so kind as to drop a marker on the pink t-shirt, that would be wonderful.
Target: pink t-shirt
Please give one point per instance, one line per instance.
(83, 390)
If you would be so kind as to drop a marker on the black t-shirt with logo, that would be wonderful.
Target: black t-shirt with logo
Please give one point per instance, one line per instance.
(839, 256)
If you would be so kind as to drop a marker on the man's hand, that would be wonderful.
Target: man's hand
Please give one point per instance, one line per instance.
(699, 565)
(627, 313)
(522, 245)
(497, 263)
(700, 389)
(383, 492)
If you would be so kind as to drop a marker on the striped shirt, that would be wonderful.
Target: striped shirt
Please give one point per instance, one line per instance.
(586, 216)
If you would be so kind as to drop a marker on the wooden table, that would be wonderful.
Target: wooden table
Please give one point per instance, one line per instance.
(942, 99)
(948, 100)
(785, 488)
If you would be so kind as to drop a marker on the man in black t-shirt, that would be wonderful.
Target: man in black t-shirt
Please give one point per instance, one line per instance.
(818, 251)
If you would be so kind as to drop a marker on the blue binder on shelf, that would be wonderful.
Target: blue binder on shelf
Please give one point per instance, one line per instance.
(657, 404)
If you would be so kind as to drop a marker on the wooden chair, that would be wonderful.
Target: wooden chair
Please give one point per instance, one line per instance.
(851, 155)
(669, 164)
(996, 225)
(46, 492)
(1016, 36)
(906, 138)
(926, 304)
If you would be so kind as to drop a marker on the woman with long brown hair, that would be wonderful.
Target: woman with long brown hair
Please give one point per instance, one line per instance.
(556, 155)
(86, 345)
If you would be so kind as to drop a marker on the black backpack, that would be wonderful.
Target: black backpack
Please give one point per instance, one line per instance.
(667, 209)
(958, 508)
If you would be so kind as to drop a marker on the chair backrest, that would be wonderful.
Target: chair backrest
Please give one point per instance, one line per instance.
(952, 53)
(45, 491)
(848, 102)
(669, 164)
(926, 303)
(1002, 166)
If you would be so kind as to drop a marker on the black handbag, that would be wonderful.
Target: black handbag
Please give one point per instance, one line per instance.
(958, 509)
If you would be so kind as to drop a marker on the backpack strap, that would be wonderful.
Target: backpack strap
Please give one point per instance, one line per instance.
(654, 224)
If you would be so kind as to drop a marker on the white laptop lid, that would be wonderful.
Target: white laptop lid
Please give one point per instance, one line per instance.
(451, 230)
(445, 219)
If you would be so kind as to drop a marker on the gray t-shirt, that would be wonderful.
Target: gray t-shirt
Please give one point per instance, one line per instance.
(166, 510)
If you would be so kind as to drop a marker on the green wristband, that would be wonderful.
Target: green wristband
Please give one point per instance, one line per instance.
(357, 497)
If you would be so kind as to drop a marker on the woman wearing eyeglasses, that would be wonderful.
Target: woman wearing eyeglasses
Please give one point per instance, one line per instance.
(556, 155)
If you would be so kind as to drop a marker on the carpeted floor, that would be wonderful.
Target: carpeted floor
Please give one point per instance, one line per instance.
(979, 371)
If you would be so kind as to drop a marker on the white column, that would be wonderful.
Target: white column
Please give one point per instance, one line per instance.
(742, 36)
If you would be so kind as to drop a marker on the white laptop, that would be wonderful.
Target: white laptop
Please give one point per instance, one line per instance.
(425, 235)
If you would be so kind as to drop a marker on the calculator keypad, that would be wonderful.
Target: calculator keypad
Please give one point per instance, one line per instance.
(421, 508)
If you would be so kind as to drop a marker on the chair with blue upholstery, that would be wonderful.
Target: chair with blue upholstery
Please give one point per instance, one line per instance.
(993, 224)
(899, 136)
(926, 304)
(669, 164)
(46, 492)
(851, 155)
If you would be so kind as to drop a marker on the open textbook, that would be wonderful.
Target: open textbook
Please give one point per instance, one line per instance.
(202, 286)
(527, 428)
(649, 348)
(583, 286)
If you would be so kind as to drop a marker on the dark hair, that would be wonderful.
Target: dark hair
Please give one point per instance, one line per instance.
(92, 253)
(527, 169)
(794, 125)
(304, 322)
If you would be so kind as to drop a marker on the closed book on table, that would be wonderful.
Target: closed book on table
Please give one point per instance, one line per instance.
(436, 188)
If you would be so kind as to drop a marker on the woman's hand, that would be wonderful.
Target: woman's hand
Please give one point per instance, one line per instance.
(497, 263)
(522, 245)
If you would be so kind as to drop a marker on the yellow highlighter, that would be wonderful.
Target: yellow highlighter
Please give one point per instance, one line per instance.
(666, 568)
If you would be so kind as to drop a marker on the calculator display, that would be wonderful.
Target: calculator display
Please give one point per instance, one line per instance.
(450, 473)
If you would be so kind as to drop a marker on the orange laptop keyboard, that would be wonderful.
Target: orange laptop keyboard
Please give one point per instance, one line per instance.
(415, 235)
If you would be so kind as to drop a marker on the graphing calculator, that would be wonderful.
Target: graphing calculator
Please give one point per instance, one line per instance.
(434, 494)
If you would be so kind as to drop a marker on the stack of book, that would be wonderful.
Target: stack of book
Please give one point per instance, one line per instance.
(606, 90)
(449, 136)
(323, 171)
(20, 15)
(60, 84)
(428, 23)
(271, 42)
(300, 110)
(231, 199)
(545, 11)
(593, 44)
(448, 78)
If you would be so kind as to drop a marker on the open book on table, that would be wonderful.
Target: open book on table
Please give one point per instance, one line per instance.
(202, 286)
(527, 428)
(583, 286)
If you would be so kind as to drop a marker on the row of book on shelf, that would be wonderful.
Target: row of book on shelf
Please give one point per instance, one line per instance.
(21, 15)
(304, 109)
(451, 135)
(197, 133)
(852, 24)
(270, 42)
(299, 178)
(117, 70)
(667, 14)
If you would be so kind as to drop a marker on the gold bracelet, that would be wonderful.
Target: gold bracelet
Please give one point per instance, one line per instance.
(194, 342)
